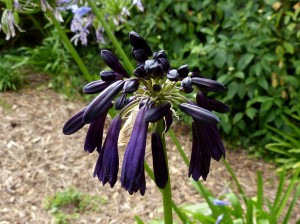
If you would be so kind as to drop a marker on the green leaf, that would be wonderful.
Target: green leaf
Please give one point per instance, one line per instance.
(220, 58)
(251, 112)
(279, 51)
(233, 88)
(239, 75)
(266, 105)
(138, 220)
(288, 47)
(237, 117)
(244, 61)
(260, 191)
(257, 69)
(263, 82)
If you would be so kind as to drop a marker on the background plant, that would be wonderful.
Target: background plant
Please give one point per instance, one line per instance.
(69, 204)
(253, 48)
(286, 143)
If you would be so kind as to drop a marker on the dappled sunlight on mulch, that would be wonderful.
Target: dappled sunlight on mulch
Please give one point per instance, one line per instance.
(37, 160)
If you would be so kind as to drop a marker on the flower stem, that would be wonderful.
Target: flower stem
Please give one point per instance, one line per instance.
(98, 13)
(70, 47)
(166, 192)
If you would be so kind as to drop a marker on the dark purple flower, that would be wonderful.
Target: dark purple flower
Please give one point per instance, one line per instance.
(102, 102)
(133, 175)
(200, 159)
(94, 135)
(211, 104)
(95, 87)
(159, 161)
(155, 113)
(208, 84)
(198, 113)
(74, 124)
(107, 165)
(112, 61)
(110, 76)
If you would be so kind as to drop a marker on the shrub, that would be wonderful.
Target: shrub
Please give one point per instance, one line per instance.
(252, 48)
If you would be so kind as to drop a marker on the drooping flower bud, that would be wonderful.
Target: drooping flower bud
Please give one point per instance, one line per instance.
(156, 113)
(111, 60)
(95, 87)
(208, 84)
(159, 161)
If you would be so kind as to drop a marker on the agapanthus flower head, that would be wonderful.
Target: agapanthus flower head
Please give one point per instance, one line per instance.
(146, 99)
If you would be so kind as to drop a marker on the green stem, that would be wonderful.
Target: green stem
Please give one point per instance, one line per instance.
(70, 48)
(166, 192)
(179, 213)
(98, 13)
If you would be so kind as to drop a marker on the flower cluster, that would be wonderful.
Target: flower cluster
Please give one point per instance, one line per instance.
(148, 98)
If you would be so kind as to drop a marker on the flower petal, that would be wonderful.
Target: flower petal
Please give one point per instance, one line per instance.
(102, 102)
(159, 161)
(110, 76)
(199, 114)
(95, 87)
(120, 101)
(74, 123)
(200, 159)
(156, 113)
(210, 103)
(94, 134)
(131, 85)
(168, 120)
(112, 61)
(107, 165)
(139, 43)
(208, 84)
(133, 175)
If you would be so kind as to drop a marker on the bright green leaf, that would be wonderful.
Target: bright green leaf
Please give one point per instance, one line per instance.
(237, 117)
(244, 61)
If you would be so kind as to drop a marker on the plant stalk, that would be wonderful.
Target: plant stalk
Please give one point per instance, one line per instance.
(71, 48)
(166, 192)
(98, 13)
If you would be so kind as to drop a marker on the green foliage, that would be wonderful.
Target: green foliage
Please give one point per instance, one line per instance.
(243, 209)
(69, 204)
(252, 48)
(10, 78)
(286, 143)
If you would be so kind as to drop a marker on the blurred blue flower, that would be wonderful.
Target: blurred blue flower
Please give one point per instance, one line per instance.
(218, 202)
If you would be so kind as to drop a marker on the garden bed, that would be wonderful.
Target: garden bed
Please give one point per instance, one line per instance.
(37, 161)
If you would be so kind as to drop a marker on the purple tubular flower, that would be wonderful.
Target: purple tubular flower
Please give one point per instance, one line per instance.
(173, 75)
(199, 114)
(200, 159)
(183, 71)
(111, 60)
(159, 161)
(156, 113)
(81, 11)
(102, 102)
(131, 85)
(94, 135)
(211, 104)
(208, 84)
(110, 76)
(107, 165)
(95, 87)
(168, 120)
(120, 101)
(74, 123)
(133, 175)
(139, 43)
(211, 138)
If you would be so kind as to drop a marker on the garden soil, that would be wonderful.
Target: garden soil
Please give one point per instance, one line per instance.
(37, 161)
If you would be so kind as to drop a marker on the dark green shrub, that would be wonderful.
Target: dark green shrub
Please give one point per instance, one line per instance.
(253, 48)
(10, 78)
